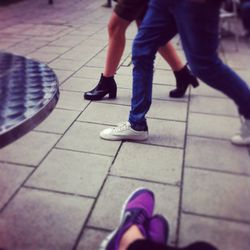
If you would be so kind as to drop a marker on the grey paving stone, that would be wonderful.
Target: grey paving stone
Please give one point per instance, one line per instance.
(42, 57)
(217, 155)
(79, 55)
(164, 77)
(72, 101)
(29, 149)
(91, 239)
(42, 220)
(124, 81)
(149, 163)
(71, 172)
(118, 189)
(205, 90)
(62, 75)
(89, 72)
(58, 121)
(69, 42)
(219, 106)
(53, 49)
(105, 113)
(96, 62)
(220, 127)
(11, 178)
(223, 234)
(85, 137)
(123, 97)
(125, 70)
(217, 194)
(166, 133)
(162, 92)
(79, 84)
(169, 110)
(65, 64)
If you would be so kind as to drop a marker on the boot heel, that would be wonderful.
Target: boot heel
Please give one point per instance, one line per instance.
(112, 94)
(195, 84)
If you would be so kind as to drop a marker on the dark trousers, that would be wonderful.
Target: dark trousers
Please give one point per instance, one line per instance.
(149, 245)
(197, 23)
(245, 15)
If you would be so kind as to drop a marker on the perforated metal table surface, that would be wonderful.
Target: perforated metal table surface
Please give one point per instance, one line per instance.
(29, 91)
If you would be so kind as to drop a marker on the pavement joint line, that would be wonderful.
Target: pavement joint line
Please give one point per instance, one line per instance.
(81, 233)
(211, 138)
(214, 114)
(59, 192)
(115, 156)
(178, 223)
(99, 229)
(109, 124)
(46, 132)
(83, 152)
(220, 171)
(18, 164)
(145, 180)
(221, 218)
(16, 191)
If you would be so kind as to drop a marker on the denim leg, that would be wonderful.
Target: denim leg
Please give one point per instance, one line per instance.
(157, 28)
(197, 23)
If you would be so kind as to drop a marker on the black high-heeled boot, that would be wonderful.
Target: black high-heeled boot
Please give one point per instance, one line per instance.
(106, 85)
(184, 78)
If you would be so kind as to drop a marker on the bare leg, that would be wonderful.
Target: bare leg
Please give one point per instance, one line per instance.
(169, 53)
(116, 30)
(131, 235)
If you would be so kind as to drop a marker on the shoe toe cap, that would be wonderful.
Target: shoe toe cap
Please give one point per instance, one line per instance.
(106, 133)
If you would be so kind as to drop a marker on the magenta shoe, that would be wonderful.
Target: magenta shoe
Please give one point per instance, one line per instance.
(158, 229)
(137, 210)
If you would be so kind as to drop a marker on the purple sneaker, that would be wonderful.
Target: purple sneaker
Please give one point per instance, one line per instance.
(158, 229)
(136, 211)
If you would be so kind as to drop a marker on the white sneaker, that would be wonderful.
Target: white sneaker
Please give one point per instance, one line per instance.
(123, 132)
(243, 138)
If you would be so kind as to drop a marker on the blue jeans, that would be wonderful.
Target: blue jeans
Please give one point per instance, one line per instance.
(197, 23)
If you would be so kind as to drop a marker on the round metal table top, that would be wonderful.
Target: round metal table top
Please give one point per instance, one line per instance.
(28, 93)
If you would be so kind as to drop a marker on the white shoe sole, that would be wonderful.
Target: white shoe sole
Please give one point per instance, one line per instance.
(141, 136)
(240, 142)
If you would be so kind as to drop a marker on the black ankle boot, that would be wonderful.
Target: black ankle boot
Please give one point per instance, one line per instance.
(184, 77)
(106, 85)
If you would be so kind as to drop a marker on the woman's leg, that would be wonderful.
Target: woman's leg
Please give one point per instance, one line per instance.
(116, 29)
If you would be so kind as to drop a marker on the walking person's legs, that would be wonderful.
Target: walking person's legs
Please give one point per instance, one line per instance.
(116, 30)
(124, 13)
(197, 24)
(157, 29)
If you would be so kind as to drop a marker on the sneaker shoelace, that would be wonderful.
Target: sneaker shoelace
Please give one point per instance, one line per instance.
(122, 127)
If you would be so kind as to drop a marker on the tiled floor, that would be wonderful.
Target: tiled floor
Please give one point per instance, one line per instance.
(62, 187)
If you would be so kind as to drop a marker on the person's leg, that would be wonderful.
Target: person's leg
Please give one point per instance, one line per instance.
(197, 23)
(157, 29)
(116, 29)
(245, 15)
